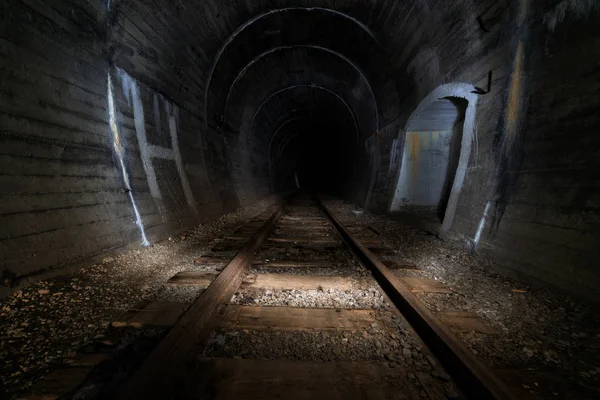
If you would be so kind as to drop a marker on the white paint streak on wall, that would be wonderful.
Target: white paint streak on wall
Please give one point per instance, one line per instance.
(481, 224)
(174, 131)
(131, 91)
(578, 9)
(148, 151)
(120, 152)
(394, 156)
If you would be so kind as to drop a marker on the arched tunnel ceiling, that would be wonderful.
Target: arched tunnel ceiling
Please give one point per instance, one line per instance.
(300, 102)
(303, 67)
(374, 58)
(267, 46)
(396, 44)
(290, 130)
(314, 100)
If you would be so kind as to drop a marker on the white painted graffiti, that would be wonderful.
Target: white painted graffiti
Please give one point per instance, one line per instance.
(119, 149)
(148, 152)
(394, 155)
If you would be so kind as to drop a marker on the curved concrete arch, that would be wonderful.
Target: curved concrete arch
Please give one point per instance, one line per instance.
(248, 23)
(288, 121)
(284, 124)
(458, 90)
(282, 48)
(269, 162)
(307, 86)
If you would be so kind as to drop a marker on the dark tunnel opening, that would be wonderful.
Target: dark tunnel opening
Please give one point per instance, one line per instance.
(307, 137)
(315, 156)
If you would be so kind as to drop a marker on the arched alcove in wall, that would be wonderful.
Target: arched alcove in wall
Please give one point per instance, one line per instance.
(437, 144)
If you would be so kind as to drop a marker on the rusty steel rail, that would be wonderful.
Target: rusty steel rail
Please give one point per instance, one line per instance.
(475, 379)
(174, 368)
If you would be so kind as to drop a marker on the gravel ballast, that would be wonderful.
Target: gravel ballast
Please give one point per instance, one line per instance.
(539, 328)
(330, 298)
(389, 341)
(44, 324)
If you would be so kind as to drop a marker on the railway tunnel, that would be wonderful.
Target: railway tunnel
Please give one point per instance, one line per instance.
(461, 136)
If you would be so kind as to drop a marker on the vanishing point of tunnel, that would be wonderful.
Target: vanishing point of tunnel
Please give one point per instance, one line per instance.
(250, 192)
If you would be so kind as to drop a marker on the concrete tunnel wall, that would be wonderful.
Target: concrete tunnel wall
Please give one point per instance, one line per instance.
(131, 120)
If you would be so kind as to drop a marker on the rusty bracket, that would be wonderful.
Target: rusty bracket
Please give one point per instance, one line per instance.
(479, 90)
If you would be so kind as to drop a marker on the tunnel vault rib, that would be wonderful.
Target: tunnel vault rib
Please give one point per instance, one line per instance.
(242, 28)
(312, 87)
(305, 103)
(299, 47)
(312, 47)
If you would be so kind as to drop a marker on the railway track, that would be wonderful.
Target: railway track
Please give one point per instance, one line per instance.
(253, 334)
(301, 305)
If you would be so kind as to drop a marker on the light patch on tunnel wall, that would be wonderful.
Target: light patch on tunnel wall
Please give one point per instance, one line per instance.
(394, 156)
(516, 90)
(576, 9)
(515, 95)
(148, 152)
(458, 90)
(424, 169)
(119, 150)
(481, 225)
(413, 144)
